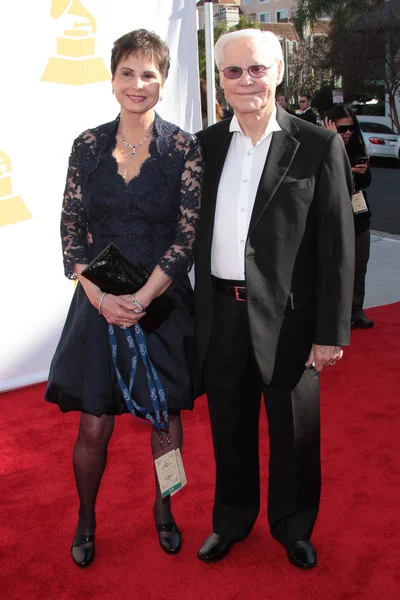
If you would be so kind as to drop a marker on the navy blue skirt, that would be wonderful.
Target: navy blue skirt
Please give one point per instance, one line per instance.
(82, 375)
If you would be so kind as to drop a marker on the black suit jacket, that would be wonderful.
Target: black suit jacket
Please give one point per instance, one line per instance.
(299, 253)
(309, 116)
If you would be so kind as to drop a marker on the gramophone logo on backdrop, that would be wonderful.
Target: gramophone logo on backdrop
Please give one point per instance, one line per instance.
(75, 63)
(12, 208)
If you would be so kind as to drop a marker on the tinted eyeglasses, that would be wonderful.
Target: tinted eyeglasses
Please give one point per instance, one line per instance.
(255, 71)
(345, 128)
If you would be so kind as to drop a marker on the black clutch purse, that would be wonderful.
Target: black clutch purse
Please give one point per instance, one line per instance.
(114, 273)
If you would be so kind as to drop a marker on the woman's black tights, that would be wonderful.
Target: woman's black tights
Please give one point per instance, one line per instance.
(90, 459)
(162, 506)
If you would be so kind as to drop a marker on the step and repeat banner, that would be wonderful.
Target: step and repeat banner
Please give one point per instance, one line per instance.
(55, 57)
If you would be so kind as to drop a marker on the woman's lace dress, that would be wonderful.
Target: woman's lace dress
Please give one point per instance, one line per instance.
(153, 219)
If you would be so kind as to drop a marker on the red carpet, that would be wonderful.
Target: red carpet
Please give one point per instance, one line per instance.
(356, 534)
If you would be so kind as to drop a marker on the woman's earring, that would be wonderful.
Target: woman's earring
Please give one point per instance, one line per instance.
(113, 91)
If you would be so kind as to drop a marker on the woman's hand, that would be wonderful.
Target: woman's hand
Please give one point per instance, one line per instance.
(361, 168)
(328, 124)
(141, 297)
(157, 284)
(119, 310)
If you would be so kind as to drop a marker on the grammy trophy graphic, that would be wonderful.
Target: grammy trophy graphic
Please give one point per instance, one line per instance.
(75, 63)
(12, 208)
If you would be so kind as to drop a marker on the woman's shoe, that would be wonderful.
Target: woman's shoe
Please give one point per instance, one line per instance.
(170, 538)
(82, 550)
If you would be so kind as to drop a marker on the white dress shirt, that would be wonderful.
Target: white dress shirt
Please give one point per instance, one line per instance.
(235, 199)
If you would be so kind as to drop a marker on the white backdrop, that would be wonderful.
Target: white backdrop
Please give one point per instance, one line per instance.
(39, 121)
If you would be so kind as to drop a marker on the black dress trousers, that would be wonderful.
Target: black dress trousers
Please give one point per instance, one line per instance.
(234, 387)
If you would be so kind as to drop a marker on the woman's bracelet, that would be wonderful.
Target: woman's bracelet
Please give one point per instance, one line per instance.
(101, 301)
(137, 305)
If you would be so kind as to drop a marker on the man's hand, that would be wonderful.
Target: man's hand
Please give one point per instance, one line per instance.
(324, 356)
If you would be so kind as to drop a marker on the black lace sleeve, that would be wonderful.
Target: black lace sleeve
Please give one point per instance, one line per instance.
(73, 216)
(179, 257)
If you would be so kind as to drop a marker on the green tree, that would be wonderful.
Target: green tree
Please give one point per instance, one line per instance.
(201, 43)
(309, 12)
(308, 68)
(244, 23)
(365, 60)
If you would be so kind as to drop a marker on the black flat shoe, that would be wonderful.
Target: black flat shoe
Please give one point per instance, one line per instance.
(216, 547)
(170, 538)
(82, 550)
(302, 554)
(362, 323)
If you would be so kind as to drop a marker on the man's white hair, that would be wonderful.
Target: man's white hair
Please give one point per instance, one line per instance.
(265, 37)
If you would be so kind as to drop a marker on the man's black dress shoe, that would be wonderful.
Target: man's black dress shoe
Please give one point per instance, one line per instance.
(362, 323)
(302, 554)
(170, 538)
(82, 550)
(216, 547)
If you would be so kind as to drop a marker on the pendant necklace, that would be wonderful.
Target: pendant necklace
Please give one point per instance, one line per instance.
(134, 148)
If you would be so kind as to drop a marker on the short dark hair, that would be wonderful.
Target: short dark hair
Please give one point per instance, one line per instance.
(309, 98)
(141, 41)
(281, 94)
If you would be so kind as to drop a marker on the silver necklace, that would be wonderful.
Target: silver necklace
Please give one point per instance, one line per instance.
(134, 148)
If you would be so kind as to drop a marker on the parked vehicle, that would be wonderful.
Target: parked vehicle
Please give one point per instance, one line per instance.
(380, 140)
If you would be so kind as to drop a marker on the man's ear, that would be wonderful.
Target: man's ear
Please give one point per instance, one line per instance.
(281, 72)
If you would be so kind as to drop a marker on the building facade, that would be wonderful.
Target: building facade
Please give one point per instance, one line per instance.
(225, 12)
(268, 11)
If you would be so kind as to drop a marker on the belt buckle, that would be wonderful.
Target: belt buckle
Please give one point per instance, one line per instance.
(238, 289)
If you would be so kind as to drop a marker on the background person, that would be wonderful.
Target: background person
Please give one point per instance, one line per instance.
(135, 181)
(282, 101)
(273, 287)
(307, 113)
(341, 119)
(219, 111)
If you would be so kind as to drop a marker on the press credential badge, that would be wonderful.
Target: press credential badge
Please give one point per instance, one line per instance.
(358, 203)
(170, 472)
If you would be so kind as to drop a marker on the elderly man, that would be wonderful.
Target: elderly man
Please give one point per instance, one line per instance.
(274, 284)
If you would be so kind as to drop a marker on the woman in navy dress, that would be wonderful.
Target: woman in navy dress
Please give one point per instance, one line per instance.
(136, 182)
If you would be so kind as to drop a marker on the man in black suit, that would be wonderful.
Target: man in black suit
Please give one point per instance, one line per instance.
(273, 288)
(282, 101)
(307, 113)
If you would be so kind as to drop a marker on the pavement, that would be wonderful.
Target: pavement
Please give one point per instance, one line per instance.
(383, 274)
(383, 197)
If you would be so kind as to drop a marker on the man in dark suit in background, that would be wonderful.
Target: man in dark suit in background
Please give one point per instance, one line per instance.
(273, 288)
(282, 101)
(307, 113)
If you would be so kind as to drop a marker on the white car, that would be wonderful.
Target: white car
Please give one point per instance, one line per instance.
(380, 140)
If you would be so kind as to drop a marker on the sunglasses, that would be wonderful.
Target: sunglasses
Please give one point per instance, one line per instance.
(345, 128)
(255, 71)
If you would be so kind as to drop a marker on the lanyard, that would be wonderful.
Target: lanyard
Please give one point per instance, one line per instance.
(157, 394)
